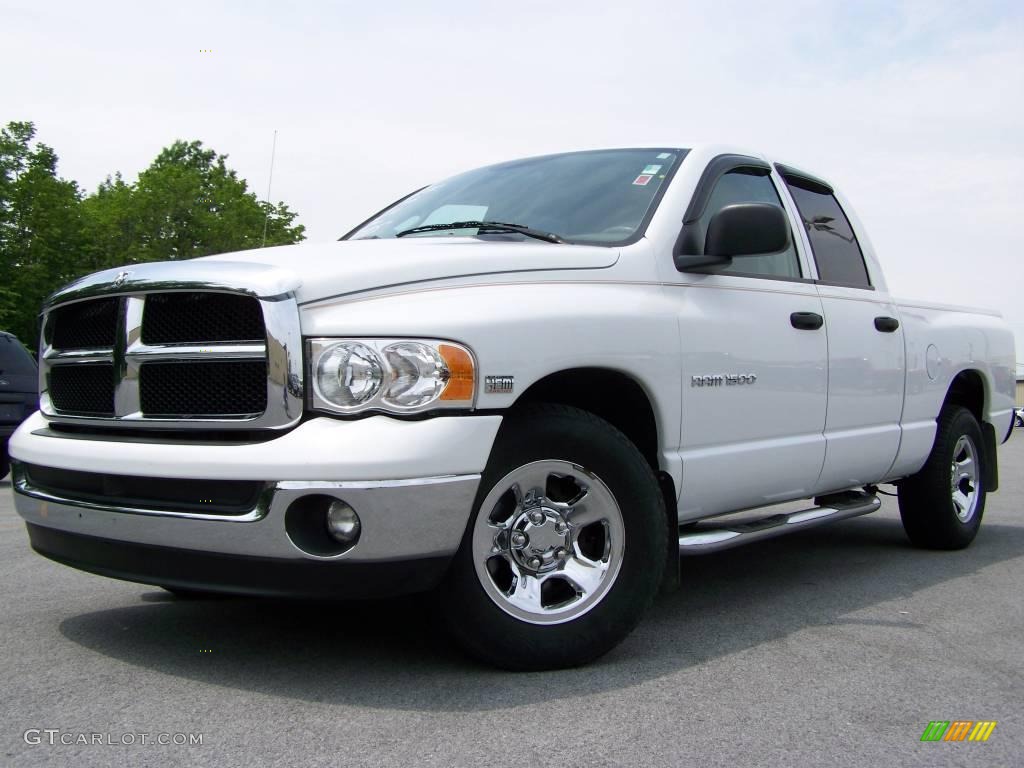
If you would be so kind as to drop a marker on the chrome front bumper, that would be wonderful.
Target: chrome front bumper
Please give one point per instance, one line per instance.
(401, 519)
(412, 483)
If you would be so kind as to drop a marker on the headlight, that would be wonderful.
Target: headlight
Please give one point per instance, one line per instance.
(393, 375)
(349, 375)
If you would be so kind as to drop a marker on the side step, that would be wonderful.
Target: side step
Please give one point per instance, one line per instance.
(840, 506)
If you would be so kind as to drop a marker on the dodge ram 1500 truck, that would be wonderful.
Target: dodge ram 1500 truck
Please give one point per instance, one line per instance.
(518, 389)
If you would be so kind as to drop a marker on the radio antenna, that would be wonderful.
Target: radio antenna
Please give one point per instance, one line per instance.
(270, 179)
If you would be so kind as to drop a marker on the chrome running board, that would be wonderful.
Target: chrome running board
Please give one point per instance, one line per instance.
(831, 508)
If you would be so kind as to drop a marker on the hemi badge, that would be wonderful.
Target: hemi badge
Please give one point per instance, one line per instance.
(499, 385)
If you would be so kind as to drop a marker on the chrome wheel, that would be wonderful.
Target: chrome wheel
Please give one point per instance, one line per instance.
(963, 479)
(548, 542)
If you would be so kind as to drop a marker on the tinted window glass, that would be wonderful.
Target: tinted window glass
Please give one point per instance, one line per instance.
(739, 187)
(835, 247)
(14, 358)
(589, 197)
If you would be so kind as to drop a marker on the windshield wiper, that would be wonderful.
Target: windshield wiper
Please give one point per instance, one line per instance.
(486, 226)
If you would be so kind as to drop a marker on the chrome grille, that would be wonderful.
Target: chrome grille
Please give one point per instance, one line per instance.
(220, 349)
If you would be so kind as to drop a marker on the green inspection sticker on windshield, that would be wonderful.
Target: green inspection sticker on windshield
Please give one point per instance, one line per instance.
(651, 169)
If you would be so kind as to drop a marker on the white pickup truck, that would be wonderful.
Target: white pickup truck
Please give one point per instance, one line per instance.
(520, 388)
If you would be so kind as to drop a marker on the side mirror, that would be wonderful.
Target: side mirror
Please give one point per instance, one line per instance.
(743, 229)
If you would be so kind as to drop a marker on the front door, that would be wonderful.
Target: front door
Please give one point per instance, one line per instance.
(754, 371)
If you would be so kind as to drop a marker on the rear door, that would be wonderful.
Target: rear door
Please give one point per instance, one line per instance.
(866, 356)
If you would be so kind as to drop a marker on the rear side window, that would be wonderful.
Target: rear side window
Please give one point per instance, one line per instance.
(14, 358)
(836, 250)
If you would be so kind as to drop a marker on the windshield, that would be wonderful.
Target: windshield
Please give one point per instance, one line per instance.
(603, 197)
(14, 358)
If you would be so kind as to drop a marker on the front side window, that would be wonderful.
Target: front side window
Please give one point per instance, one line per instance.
(740, 186)
(603, 197)
(836, 250)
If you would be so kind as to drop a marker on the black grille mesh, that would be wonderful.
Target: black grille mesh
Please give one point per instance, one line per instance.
(85, 324)
(201, 389)
(189, 318)
(83, 389)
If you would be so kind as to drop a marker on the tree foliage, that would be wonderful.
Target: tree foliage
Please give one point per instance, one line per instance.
(187, 203)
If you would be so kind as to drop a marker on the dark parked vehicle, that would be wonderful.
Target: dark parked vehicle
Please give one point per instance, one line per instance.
(19, 395)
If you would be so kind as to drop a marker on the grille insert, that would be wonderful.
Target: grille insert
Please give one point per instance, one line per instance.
(190, 318)
(85, 325)
(231, 388)
(85, 390)
(212, 497)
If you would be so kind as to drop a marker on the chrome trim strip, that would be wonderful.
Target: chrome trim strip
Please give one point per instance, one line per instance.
(282, 347)
(703, 539)
(78, 356)
(129, 330)
(260, 280)
(811, 514)
(144, 353)
(362, 485)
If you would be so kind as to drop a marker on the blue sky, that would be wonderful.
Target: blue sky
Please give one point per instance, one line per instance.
(914, 109)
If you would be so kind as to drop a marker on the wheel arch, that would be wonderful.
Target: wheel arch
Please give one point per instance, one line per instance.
(968, 389)
(622, 401)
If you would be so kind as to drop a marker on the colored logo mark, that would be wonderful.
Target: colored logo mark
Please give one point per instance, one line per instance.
(958, 730)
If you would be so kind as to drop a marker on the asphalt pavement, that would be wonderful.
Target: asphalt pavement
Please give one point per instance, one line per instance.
(830, 647)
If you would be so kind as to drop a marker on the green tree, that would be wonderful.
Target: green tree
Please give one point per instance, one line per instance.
(187, 203)
(110, 225)
(41, 228)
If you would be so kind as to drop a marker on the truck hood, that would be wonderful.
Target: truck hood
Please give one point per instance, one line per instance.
(328, 270)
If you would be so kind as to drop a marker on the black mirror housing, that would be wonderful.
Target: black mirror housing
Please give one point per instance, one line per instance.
(742, 229)
(747, 229)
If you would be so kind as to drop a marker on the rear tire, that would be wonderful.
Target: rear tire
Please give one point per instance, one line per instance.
(565, 549)
(942, 505)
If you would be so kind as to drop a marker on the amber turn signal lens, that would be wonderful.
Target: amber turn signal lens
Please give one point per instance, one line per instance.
(462, 377)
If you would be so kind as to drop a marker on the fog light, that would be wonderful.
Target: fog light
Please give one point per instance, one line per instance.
(343, 522)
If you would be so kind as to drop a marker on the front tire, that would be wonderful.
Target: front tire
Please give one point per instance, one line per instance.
(942, 505)
(566, 547)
